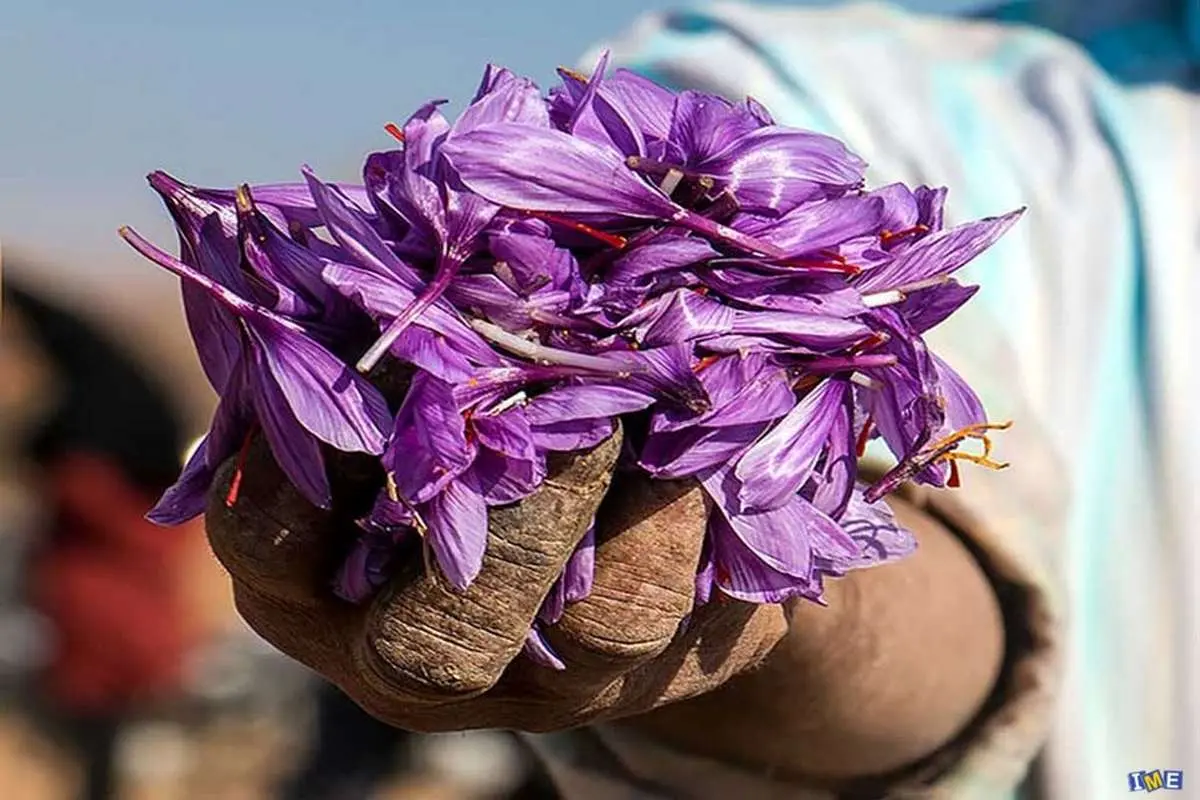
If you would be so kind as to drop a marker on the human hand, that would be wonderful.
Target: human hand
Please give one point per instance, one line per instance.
(425, 657)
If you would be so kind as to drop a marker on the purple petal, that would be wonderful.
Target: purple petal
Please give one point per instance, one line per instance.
(231, 422)
(832, 493)
(505, 479)
(666, 372)
(704, 125)
(684, 453)
(555, 603)
(214, 332)
(504, 97)
(458, 531)
(680, 316)
(290, 266)
(580, 572)
(780, 463)
(817, 225)
(899, 210)
(367, 566)
(878, 537)
(506, 433)
(662, 254)
(293, 201)
(815, 331)
(352, 231)
(575, 582)
(328, 398)
(619, 123)
(927, 308)
(744, 389)
(741, 574)
(432, 353)
(929, 206)
(650, 103)
(430, 445)
(706, 572)
(296, 450)
(938, 254)
(186, 498)
(811, 294)
(421, 194)
(775, 169)
(576, 434)
(212, 287)
(535, 261)
(539, 651)
(780, 537)
(962, 406)
(583, 402)
(548, 170)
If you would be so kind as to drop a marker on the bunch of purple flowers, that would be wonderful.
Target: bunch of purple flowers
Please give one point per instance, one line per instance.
(543, 267)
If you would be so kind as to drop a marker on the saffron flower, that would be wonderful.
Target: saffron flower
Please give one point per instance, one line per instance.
(542, 270)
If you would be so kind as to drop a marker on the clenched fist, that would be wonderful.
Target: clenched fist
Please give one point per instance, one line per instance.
(426, 657)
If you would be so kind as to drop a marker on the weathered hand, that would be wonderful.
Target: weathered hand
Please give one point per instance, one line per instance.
(425, 657)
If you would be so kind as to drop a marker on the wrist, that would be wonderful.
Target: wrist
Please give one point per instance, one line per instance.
(898, 663)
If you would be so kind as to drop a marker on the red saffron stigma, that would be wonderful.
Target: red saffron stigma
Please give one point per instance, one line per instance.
(235, 485)
(705, 363)
(469, 429)
(806, 382)
(829, 265)
(394, 129)
(610, 239)
(870, 343)
(886, 237)
(723, 575)
(953, 481)
(864, 436)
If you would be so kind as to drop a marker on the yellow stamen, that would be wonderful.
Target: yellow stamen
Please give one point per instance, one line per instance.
(981, 460)
(573, 73)
(977, 432)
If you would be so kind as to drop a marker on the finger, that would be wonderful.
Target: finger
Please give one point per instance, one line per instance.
(267, 535)
(424, 638)
(320, 641)
(649, 534)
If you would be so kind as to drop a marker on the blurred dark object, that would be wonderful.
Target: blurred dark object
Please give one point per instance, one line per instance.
(106, 580)
(352, 755)
(107, 406)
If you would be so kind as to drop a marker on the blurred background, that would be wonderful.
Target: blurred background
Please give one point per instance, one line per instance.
(92, 97)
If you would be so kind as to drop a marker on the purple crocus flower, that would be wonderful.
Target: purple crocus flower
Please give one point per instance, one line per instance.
(456, 218)
(706, 141)
(299, 392)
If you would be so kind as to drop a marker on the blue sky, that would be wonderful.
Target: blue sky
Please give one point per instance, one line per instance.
(93, 95)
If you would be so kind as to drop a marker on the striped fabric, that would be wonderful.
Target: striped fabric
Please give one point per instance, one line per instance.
(1081, 333)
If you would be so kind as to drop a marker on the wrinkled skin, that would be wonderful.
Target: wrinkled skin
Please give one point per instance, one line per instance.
(423, 657)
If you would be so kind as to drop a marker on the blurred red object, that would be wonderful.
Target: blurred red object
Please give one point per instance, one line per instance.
(111, 585)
